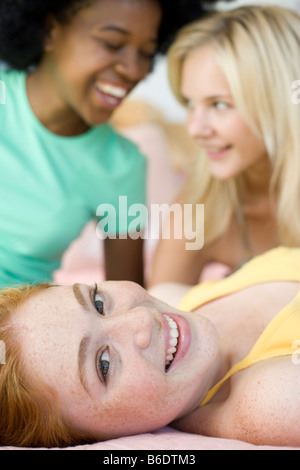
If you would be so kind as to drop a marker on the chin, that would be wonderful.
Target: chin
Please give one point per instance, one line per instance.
(96, 119)
(225, 175)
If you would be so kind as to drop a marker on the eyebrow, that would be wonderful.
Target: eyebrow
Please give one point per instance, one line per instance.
(114, 28)
(85, 342)
(209, 97)
(80, 297)
(82, 357)
(217, 97)
(117, 29)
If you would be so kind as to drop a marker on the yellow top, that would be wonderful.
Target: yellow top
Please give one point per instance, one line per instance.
(282, 335)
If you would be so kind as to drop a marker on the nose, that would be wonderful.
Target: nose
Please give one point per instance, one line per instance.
(198, 124)
(132, 67)
(134, 327)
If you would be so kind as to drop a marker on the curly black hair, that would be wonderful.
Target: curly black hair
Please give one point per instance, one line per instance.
(23, 25)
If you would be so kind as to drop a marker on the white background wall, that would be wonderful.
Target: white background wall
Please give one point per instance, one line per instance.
(155, 89)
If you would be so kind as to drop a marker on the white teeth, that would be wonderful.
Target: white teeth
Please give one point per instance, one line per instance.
(117, 92)
(174, 333)
(173, 341)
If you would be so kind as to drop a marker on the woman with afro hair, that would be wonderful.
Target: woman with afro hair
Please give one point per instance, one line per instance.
(66, 66)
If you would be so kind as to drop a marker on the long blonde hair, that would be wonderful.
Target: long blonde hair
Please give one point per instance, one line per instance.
(28, 415)
(258, 48)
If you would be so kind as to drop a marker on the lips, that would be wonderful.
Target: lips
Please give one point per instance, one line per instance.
(177, 339)
(217, 152)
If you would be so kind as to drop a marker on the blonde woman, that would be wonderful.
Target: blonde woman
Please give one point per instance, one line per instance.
(234, 71)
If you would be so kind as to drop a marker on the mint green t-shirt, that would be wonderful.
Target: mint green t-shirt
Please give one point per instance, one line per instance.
(51, 186)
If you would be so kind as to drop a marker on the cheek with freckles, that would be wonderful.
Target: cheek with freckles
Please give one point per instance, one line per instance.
(144, 406)
(137, 407)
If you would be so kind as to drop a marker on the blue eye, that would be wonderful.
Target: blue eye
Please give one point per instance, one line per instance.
(99, 304)
(189, 104)
(98, 301)
(104, 365)
(221, 105)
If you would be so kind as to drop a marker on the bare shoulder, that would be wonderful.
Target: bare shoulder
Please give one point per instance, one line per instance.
(265, 404)
(263, 407)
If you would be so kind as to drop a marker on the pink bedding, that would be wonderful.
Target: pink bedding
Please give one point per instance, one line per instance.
(169, 439)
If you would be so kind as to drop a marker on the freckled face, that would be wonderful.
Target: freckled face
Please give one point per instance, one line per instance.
(105, 356)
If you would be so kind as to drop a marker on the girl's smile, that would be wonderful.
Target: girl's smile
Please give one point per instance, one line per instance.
(177, 338)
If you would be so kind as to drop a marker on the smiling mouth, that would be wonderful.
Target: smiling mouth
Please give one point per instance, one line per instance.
(113, 93)
(173, 342)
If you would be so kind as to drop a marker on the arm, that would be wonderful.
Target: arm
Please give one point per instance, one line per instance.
(173, 263)
(124, 260)
(178, 259)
